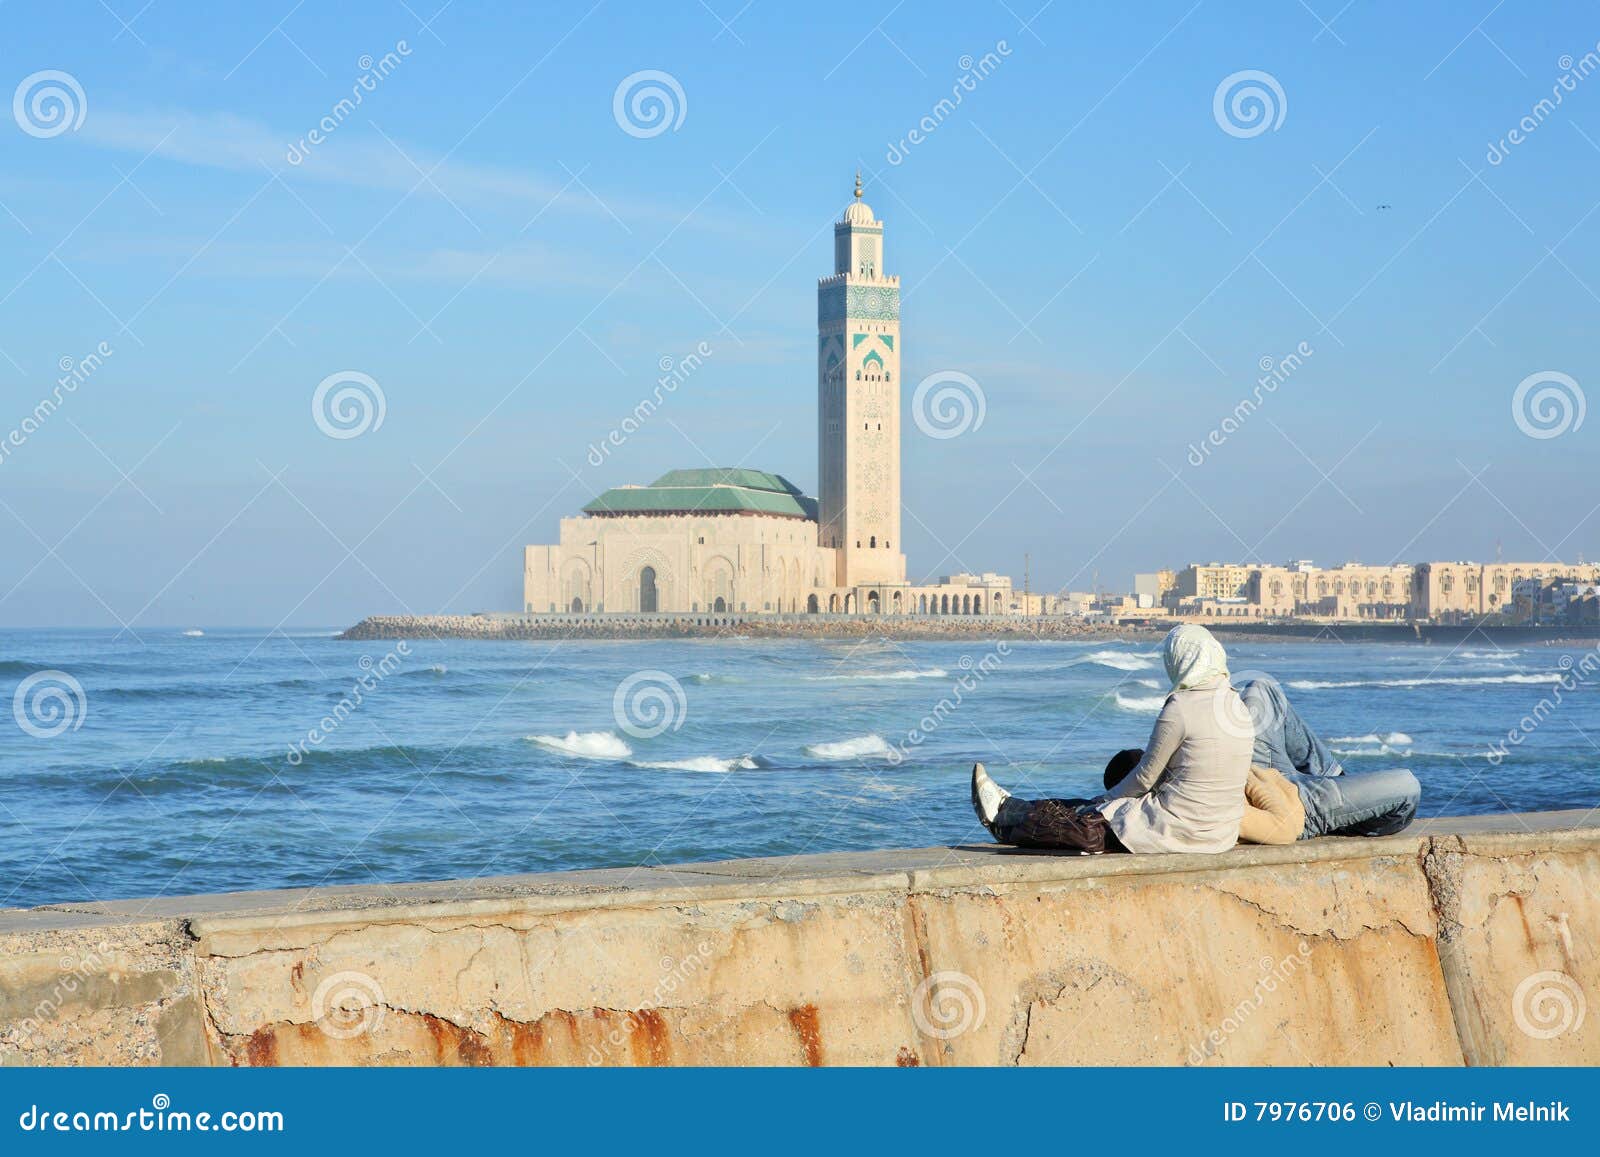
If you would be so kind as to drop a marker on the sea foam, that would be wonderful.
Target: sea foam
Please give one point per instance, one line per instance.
(700, 763)
(585, 744)
(858, 747)
(1445, 681)
(1146, 704)
(1118, 661)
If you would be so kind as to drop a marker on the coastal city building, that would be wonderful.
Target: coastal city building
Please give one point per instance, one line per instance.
(743, 540)
(1432, 592)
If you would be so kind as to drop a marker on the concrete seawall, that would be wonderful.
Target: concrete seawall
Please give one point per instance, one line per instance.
(1461, 941)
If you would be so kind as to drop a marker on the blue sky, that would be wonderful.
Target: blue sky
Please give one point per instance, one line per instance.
(482, 238)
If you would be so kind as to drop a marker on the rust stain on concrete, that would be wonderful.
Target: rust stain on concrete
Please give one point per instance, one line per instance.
(804, 1021)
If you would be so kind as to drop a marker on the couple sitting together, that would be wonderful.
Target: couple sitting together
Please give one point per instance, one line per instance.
(1222, 766)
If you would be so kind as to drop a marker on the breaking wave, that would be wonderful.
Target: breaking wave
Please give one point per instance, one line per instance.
(859, 747)
(1391, 739)
(930, 673)
(701, 763)
(585, 744)
(1147, 704)
(1446, 681)
(1118, 661)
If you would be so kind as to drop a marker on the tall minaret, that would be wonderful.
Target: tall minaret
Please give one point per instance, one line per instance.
(858, 404)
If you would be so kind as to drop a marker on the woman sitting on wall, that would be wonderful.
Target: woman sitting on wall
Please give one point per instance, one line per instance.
(1186, 793)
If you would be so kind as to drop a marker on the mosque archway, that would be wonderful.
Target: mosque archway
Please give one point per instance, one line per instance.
(647, 589)
(811, 604)
(576, 607)
(720, 606)
(873, 604)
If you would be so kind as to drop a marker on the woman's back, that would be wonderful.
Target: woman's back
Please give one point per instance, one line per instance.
(1187, 794)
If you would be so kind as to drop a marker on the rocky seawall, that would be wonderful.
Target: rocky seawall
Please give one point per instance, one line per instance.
(664, 626)
(1461, 941)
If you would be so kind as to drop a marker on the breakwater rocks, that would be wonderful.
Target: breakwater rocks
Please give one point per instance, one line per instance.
(672, 626)
(1459, 941)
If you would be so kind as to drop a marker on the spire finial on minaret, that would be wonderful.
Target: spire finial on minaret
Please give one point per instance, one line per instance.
(858, 184)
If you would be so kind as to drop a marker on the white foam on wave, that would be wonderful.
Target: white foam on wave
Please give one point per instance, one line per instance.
(585, 744)
(1118, 660)
(1147, 704)
(1153, 684)
(1446, 681)
(1392, 738)
(193, 634)
(1487, 654)
(930, 673)
(857, 747)
(699, 763)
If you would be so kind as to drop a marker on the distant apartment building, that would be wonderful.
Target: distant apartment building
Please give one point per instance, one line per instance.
(1150, 590)
(1213, 580)
(1446, 592)
(1441, 592)
(1554, 602)
(1351, 591)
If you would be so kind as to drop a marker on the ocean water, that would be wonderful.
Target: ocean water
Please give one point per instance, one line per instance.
(204, 761)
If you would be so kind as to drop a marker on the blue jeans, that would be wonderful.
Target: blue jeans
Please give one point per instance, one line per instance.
(1374, 803)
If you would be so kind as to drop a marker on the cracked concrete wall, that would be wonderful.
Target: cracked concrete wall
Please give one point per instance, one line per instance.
(1408, 950)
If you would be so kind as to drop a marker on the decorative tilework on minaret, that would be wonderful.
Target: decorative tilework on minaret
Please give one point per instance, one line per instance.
(858, 403)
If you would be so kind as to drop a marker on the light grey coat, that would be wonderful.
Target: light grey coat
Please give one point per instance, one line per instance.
(1187, 793)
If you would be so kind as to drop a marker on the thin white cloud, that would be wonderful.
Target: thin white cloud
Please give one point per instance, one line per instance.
(356, 155)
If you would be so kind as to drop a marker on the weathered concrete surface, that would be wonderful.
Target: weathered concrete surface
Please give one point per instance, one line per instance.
(1407, 950)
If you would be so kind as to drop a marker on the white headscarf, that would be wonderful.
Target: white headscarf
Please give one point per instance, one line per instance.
(1193, 657)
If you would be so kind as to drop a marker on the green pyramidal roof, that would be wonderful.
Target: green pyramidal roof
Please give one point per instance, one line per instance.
(728, 476)
(715, 491)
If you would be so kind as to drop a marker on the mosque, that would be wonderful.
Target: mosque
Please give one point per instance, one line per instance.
(741, 540)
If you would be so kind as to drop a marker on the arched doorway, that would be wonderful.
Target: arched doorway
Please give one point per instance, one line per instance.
(720, 606)
(873, 606)
(897, 602)
(850, 603)
(647, 589)
(833, 604)
(811, 604)
(576, 607)
(944, 604)
(922, 604)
